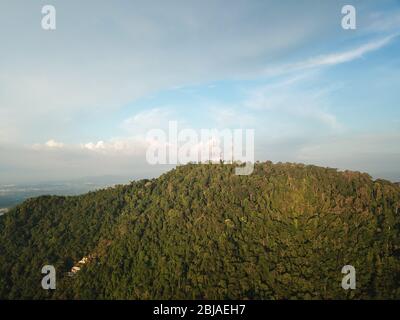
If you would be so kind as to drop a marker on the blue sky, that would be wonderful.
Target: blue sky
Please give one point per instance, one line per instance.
(312, 91)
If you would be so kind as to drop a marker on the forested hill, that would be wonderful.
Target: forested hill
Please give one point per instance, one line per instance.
(199, 231)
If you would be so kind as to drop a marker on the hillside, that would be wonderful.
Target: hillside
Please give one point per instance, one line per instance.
(199, 231)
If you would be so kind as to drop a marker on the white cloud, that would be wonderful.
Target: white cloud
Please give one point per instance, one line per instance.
(293, 98)
(345, 56)
(330, 59)
(94, 146)
(50, 144)
(123, 146)
(57, 82)
(375, 153)
(147, 120)
(101, 64)
(136, 127)
(352, 146)
(54, 144)
(71, 162)
(231, 117)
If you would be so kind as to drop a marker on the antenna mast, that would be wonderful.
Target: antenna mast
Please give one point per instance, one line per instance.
(232, 149)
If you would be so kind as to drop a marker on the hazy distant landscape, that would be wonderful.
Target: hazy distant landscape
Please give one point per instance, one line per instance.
(13, 194)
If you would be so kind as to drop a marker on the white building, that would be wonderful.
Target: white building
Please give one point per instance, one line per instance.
(75, 269)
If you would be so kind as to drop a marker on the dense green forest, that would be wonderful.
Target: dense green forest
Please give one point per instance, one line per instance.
(201, 232)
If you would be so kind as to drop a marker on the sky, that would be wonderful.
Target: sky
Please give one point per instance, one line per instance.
(78, 101)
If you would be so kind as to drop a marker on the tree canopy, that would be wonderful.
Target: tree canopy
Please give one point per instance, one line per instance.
(201, 232)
